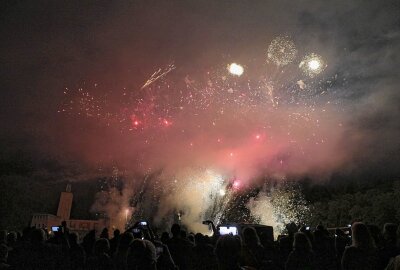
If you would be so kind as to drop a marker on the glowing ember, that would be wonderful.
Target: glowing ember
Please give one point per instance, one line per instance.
(166, 122)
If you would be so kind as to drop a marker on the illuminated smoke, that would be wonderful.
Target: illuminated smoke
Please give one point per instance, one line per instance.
(263, 211)
(280, 206)
(114, 202)
(194, 195)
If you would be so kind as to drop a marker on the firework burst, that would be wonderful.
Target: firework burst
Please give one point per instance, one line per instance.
(281, 51)
(312, 65)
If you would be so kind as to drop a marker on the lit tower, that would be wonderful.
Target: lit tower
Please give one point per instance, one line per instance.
(65, 204)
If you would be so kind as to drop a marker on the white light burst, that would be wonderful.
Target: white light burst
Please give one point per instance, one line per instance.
(235, 69)
(312, 64)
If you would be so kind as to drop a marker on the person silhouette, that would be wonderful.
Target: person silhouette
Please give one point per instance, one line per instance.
(362, 254)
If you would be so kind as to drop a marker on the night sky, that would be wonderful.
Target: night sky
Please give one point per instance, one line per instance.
(72, 76)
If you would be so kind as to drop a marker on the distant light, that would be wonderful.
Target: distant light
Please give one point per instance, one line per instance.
(167, 123)
(236, 69)
(222, 192)
(258, 136)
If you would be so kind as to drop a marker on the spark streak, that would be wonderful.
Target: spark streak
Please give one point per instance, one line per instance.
(158, 74)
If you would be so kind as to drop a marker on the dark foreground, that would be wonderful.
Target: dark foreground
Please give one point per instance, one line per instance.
(366, 248)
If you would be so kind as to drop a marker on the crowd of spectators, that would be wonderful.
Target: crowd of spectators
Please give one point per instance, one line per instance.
(364, 247)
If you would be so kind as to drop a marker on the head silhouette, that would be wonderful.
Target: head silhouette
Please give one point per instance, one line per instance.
(176, 230)
(250, 236)
(199, 239)
(11, 238)
(228, 250)
(390, 231)
(125, 240)
(37, 236)
(301, 242)
(361, 236)
(143, 254)
(164, 237)
(291, 228)
(73, 238)
(101, 246)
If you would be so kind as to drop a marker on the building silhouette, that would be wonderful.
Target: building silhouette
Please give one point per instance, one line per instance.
(81, 226)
